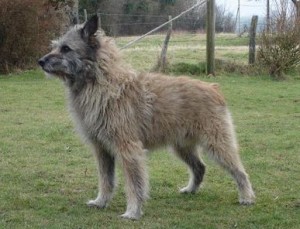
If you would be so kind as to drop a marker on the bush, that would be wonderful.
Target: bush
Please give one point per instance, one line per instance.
(188, 69)
(222, 67)
(25, 32)
(280, 52)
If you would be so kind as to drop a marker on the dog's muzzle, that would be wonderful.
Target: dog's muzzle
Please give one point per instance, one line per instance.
(42, 62)
(47, 62)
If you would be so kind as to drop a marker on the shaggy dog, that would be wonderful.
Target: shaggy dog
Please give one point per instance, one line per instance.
(121, 113)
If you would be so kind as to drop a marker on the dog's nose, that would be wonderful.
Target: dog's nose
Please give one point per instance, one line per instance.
(41, 62)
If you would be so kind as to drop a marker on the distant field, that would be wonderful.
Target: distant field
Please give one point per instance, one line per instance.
(47, 174)
(189, 48)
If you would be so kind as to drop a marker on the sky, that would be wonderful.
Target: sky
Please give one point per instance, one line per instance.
(247, 8)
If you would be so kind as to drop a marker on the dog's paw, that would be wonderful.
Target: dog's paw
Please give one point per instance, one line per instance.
(131, 215)
(247, 198)
(96, 204)
(248, 201)
(187, 190)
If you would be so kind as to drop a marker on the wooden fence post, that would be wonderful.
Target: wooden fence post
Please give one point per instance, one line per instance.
(99, 20)
(268, 17)
(252, 35)
(2, 35)
(162, 62)
(210, 38)
(85, 15)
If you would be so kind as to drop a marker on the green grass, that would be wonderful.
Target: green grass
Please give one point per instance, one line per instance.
(47, 174)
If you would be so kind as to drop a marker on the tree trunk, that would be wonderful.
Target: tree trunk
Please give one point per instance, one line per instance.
(297, 5)
(268, 16)
(70, 11)
(297, 15)
(210, 38)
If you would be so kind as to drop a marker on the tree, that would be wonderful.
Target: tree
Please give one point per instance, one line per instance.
(26, 28)
(132, 17)
(280, 51)
(297, 5)
(224, 20)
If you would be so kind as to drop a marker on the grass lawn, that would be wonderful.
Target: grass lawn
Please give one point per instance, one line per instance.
(47, 174)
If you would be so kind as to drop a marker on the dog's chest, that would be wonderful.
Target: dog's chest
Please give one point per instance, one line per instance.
(91, 115)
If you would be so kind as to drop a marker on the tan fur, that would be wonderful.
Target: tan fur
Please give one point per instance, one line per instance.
(143, 111)
(122, 114)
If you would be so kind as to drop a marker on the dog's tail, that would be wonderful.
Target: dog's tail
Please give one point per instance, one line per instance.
(215, 86)
(217, 91)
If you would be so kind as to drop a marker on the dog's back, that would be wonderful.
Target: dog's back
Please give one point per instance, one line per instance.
(180, 108)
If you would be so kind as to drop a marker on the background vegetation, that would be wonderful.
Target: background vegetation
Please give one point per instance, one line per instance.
(279, 48)
(26, 27)
(18, 17)
(129, 17)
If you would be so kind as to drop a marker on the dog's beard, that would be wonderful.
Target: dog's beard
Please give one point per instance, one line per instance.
(55, 68)
(49, 75)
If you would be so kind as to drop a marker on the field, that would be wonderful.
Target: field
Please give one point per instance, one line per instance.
(47, 174)
(188, 47)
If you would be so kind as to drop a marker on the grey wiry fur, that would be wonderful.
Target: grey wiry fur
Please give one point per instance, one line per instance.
(122, 113)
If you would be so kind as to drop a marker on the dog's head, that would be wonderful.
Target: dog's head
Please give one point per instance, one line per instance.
(72, 53)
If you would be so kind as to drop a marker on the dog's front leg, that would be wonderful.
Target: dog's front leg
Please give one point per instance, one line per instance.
(132, 159)
(106, 169)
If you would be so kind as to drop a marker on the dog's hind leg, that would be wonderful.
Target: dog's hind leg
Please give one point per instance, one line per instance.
(221, 145)
(106, 169)
(132, 158)
(229, 159)
(189, 155)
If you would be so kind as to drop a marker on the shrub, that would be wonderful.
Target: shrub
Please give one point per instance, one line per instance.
(280, 52)
(24, 33)
(188, 69)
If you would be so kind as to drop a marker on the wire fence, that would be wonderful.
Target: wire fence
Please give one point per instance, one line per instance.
(113, 25)
(188, 36)
(147, 26)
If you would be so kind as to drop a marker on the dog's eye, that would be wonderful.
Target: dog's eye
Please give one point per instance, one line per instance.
(65, 49)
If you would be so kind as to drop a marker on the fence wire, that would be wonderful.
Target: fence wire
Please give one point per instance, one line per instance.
(186, 45)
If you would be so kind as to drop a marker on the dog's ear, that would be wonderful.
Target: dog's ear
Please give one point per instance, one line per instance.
(90, 28)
